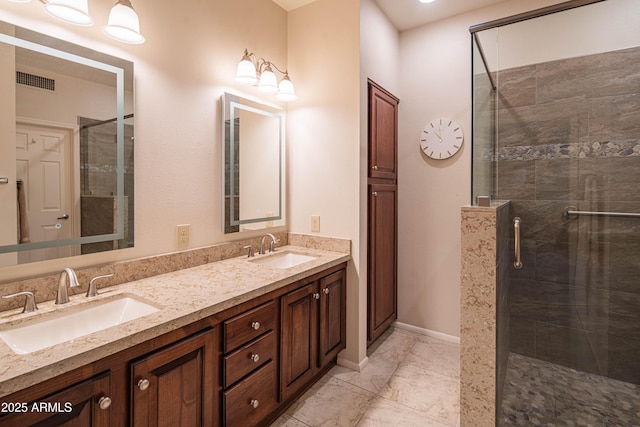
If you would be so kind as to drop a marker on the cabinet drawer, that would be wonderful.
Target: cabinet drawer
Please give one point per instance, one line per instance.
(249, 358)
(249, 325)
(251, 399)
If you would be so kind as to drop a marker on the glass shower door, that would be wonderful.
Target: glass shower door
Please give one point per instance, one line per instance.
(567, 156)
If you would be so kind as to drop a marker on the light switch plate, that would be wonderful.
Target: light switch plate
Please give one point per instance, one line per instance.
(315, 223)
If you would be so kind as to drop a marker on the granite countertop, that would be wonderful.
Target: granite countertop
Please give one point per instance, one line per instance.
(183, 296)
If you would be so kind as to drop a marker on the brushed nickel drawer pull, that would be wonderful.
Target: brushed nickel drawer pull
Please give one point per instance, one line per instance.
(255, 357)
(104, 402)
(326, 291)
(143, 384)
(316, 295)
(254, 403)
(375, 168)
(255, 325)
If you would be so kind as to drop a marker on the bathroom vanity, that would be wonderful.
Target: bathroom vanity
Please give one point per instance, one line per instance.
(233, 343)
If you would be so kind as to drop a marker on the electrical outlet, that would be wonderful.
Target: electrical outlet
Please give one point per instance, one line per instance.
(315, 223)
(182, 233)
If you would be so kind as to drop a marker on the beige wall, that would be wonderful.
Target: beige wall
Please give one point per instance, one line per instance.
(323, 139)
(435, 81)
(181, 71)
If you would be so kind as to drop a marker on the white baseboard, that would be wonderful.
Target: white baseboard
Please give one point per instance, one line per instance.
(358, 367)
(427, 332)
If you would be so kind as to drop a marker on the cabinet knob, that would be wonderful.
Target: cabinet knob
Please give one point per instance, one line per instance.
(255, 357)
(326, 291)
(255, 325)
(143, 384)
(316, 295)
(254, 403)
(374, 193)
(104, 402)
(375, 168)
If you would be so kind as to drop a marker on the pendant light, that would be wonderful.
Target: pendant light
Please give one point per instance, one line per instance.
(72, 11)
(123, 23)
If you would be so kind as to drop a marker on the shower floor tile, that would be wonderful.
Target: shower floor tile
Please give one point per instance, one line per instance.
(539, 393)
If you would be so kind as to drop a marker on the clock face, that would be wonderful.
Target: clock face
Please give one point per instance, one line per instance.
(441, 139)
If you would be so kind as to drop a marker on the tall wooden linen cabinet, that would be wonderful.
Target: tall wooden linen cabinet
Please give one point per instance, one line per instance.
(382, 287)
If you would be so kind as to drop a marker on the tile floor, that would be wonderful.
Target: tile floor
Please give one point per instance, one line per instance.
(410, 380)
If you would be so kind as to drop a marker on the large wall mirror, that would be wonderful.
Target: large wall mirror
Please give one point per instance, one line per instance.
(253, 164)
(66, 151)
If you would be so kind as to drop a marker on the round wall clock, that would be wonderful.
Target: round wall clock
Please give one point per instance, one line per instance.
(441, 139)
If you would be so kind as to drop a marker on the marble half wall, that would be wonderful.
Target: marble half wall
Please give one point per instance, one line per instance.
(484, 328)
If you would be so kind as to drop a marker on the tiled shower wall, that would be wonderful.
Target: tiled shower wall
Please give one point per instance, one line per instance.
(569, 135)
(98, 176)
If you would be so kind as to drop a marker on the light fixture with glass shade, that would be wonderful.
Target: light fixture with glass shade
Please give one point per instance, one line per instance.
(286, 91)
(71, 11)
(253, 70)
(123, 23)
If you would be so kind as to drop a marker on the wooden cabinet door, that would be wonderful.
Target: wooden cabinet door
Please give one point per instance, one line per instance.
(299, 338)
(86, 404)
(382, 288)
(332, 316)
(383, 133)
(175, 386)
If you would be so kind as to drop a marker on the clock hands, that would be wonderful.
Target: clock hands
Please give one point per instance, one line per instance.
(438, 134)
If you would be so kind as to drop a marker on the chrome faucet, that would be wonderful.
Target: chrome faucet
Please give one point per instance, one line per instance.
(273, 242)
(63, 295)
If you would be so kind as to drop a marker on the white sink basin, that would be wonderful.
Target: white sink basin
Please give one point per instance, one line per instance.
(284, 259)
(55, 328)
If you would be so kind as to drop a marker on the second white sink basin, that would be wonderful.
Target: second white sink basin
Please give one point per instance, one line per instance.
(55, 328)
(284, 259)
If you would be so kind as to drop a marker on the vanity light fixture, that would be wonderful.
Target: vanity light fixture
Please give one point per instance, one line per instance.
(254, 70)
(427, 1)
(71, 11)
(123, 24)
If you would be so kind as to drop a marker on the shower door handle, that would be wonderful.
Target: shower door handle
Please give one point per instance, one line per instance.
(516, 242)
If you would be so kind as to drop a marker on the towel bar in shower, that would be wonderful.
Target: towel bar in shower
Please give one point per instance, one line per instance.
(571, 210)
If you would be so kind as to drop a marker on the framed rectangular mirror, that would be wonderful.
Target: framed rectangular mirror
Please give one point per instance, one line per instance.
(253, 178)
(66, 174)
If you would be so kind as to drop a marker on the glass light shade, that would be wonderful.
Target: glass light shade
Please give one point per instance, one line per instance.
(20, 1)
(246, 72)
(123, 24)
(427, 1)
(268, 81)
(286, 91)
(72, 11)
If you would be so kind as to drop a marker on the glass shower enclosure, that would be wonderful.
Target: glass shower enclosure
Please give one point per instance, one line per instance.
(556, 131)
